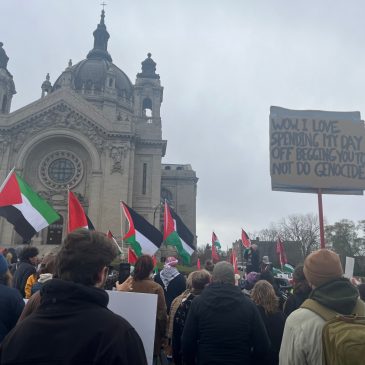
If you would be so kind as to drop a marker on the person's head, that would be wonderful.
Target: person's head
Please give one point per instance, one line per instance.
(171, 261)
(223, 272)
(209, 266)
(143, 267)
(29, 254)
(361, 288)
(189, 281)
(300, 283)
(263, 294)
(199, 280)
(251, 279)
(47, 265)
(254, 247)
(84, 257)
(321, 267)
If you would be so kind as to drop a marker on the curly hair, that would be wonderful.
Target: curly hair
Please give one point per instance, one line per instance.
(27, 253)
(263, 294)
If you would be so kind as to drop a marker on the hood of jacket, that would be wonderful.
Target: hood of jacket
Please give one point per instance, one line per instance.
(56, 291)
(221, 296)
(339, 295)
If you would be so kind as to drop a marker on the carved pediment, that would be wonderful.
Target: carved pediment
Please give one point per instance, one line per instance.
(59, 116)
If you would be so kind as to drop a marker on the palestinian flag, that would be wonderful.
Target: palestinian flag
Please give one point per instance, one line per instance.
(280, 251)
(215, 256)
(246, 242)
(76, 215)
(177, 234)
(24, 208)
(111, 236)
(234, 261)
(215, 241)
(144, 238)
(132, 257)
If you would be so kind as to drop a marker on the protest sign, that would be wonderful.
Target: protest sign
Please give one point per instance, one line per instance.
(349, 267)
(311, 150)
(140, 311)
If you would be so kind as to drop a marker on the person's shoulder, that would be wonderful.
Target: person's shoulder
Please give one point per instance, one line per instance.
(303, 317)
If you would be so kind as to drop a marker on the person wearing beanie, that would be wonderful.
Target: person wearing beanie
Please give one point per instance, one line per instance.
(172, 281)
(302, 339)
(223, 326)
(11, 302)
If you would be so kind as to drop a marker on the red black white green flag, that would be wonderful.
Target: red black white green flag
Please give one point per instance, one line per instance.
(144, 238)
(77, 217)
(215, 256)
(177, 234)
(215, 241)
(111, 236)
(246, 242)
(24, 208)
(280, 251)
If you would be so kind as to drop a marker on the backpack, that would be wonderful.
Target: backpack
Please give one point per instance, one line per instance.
(343, 336)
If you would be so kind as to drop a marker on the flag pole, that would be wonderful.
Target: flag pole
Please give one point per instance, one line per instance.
(320, 213)
(121, 225)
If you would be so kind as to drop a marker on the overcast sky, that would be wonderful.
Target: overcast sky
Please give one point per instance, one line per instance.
(222, 64)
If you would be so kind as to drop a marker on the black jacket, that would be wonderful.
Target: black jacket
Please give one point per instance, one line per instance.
(176, 287)
(21, 275)
(72, 325)
(224, 327)
(274, 324)
(11, 306)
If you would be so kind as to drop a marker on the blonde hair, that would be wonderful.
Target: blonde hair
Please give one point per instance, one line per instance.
(263, 294)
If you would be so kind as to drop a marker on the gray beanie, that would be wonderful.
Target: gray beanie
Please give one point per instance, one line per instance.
(223, 272)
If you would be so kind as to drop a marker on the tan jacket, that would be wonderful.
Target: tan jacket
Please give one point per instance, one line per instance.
(150, 287)
(302, 339)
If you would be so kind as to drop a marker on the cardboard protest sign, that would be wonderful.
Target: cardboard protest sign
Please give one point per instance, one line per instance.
(311, 150)
(349, 267)
(140, 311)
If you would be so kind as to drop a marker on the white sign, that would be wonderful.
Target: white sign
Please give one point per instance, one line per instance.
(311, 150)
(349, 268)
(139, 310)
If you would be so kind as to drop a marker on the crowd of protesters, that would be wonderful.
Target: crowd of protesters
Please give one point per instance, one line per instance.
(213, 316)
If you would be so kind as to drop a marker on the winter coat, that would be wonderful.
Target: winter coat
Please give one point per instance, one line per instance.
(178, 327)
(150, 287)
(274, 324)
(176, 287)
(21, 275)
(73, 325)
(224, 327)
(302, 338)
(294, 301)
(32, 279)
(11, 306)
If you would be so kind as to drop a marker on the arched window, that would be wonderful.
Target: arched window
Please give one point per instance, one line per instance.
(147, 108)
(54, 234)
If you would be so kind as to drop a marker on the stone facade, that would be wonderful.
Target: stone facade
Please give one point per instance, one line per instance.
(99, 134)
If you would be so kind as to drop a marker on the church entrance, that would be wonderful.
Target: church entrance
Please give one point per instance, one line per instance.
(54, 234)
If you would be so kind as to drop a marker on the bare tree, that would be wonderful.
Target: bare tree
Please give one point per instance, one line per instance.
(303, 228)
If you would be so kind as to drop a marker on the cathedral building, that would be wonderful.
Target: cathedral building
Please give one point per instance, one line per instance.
(99, 134)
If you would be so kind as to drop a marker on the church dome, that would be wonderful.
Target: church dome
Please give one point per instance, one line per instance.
(97, 72)
(94, 73)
